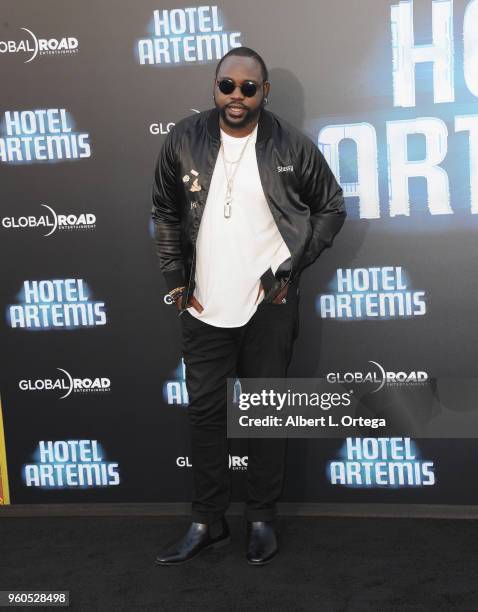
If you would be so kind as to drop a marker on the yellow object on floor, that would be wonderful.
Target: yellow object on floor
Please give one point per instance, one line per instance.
(4, 494)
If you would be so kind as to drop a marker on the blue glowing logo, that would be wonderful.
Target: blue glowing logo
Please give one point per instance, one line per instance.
(409, 162)
(55, 304)
(380, 462)
(65, 464)
(43, 135)
(174, 390)
(185, 35)
(371, 293)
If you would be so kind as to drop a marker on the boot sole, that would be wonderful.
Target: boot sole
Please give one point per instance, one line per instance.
(214, 546)
(263, 562)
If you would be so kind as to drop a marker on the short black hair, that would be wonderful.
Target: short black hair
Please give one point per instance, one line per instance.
(246, 52)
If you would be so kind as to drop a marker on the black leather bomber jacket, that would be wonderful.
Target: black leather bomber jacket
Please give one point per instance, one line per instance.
(303, 195)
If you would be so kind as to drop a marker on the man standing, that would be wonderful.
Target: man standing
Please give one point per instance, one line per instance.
(242, 203)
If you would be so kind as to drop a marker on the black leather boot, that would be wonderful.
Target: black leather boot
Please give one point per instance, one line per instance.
(261, 542)
(199, 537)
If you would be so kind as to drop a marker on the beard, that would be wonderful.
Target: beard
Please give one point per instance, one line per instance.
(249, 117)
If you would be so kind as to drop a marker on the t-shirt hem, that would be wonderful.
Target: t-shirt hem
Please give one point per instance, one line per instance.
(215, 323)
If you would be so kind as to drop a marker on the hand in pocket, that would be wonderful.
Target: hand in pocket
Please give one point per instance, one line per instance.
(192, 302)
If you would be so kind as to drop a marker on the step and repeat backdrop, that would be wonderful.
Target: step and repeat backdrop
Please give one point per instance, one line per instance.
(93, 399)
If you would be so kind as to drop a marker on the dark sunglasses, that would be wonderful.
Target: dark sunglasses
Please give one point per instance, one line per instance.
(227, 86)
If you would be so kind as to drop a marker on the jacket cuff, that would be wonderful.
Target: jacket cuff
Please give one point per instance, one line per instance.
(174, 278)
(268, 279)
(310, 257)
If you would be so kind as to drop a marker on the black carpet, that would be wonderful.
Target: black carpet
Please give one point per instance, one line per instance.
(324, 564)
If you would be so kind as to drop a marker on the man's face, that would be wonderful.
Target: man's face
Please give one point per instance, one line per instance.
(236, 110)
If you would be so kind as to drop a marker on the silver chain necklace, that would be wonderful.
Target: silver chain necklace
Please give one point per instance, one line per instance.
(230, 179)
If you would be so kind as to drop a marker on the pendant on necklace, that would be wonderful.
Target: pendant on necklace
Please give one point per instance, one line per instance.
(227, 209)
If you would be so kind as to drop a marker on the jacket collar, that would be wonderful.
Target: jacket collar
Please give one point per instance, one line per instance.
(264, 128)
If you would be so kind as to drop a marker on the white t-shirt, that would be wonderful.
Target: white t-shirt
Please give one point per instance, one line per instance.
(233, 253)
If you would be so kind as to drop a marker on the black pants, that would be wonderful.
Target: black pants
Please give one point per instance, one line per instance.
(260, 348)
